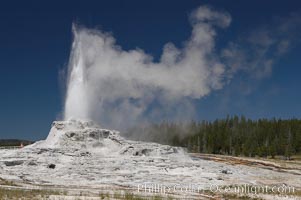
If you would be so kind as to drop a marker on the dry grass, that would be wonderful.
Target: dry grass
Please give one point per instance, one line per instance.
(11, 194)
(16, 194)
(44, 194)
(6, 182)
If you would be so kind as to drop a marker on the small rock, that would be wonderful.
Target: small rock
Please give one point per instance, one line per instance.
(32, 163)
(225, 171)
(71, 134)
(145, 152)
(51, 166)
(42, 151)
(13, 163)
(85, 153)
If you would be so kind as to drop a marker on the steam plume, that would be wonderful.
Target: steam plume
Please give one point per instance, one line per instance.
(119, 88)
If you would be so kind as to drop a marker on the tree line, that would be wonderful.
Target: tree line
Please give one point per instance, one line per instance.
(14, 142)
(234, 135)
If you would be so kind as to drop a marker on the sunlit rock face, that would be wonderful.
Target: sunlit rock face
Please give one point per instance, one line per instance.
(77, 134)
(79, 152)
(87, 135)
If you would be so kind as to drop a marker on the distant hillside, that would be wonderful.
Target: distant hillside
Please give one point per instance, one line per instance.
(14, 142)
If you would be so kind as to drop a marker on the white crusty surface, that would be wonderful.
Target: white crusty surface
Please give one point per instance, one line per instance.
(86, 155)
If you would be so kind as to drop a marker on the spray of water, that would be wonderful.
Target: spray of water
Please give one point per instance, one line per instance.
(119, 88)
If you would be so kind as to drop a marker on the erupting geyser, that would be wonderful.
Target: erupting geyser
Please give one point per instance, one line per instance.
(76, 105)
(120, 88)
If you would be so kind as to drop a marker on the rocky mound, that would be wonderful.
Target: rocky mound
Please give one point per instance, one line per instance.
(86, 135)
(81, 154)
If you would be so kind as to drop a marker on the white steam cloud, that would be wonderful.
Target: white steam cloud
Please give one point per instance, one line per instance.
(119, 88)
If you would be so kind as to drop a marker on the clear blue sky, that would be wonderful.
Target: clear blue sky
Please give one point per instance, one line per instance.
(35, 40)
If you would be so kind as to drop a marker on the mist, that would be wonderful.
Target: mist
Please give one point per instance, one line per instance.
(119, 88)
